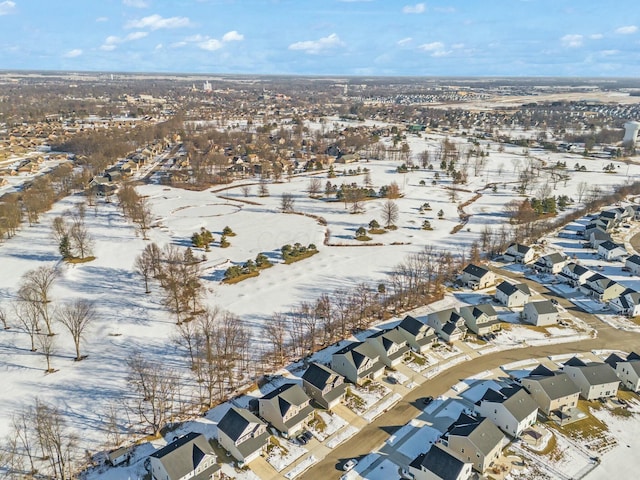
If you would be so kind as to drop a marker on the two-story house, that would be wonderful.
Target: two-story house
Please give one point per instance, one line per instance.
(287, 408)
(519, 253)
(511, 408)
(323, 385)
(575, 274)
(477, 277)
(186, 457)
(552, 391)
(448, 324)
(357, 362)
(611, 251)
(627, 369)
(440, 463)
(480, 319)
(512, 295)
(242, 434)
(632, 263)
(595, 380)
(628, 303)
(551, 263)
(390, 345)
(419, 335)
(602, 288)
(540, 313)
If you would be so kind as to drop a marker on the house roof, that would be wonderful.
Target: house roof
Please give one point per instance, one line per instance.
(450, 327)
(613, 359)
(358, 352)
(440, 462)
(514, 398)
(509, 288)
(576, 268)
(475, 270)
(388, 338)
(543, 307)
(183, 455)
(318, 375)
(634, 259)
(478, 310)
(520, 248)
(609, 245)
(556, 385)
(482, 432)
(596, 373)
(235, 422)
(288, 395)
(553, 258)
(446, 315)
(412, 325)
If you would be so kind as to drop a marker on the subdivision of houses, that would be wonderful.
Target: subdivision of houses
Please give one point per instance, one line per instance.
(540, 313)
(390, 345)
(632, 263)
(477, 277)
(357, 362)
(551, 263)
(611, 251)
(419, 335)
(287, 408)
(480, 319)
(448, 324)
(519, 253)
(439, 463)
(186, 457)
(511, 408)
(575, 274)
(627, 369)
(594, 379)
(602, 288)
(323, 385)
(243, 435)
(554, 392)
(512, 295)
(475, 440)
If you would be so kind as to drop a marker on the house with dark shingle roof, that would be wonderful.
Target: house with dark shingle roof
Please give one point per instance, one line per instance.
(575, 274)
(540, 313)
(633, 264)
(448, 324)
(390, 344)
(480, 319)
(628, 303)
(627, 369)
(602, 288)
(357, 362)
(552, 391)
(440, 463)
(611, 251)
(511, 408)
(419, 335)
(512, 295)
(477, 277)
(242, 434)
(551, 263)
(323, 385)
(520, 253)
(475, 440)
(287, 408)
(594, 379)
(189, 457)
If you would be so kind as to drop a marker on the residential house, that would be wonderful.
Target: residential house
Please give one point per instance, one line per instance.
(480, 319)
(632, 263)
(519, 253)
(602, 288)
(627, 370)
(475, 440)
(190, 456)
(596, 237)
(540, 313)
(323, 385)
(611, 251)
(511, 408)
(594, 379)
(390, 344)
(448, 324)
(552, 391)
(357, 362)
(440, 463)
(419, 336)
(628, 303)
(575, 274)
(120, 455)
(512, 295)
(242, 434)
(551, 263)
(287, 408)
(477, 277)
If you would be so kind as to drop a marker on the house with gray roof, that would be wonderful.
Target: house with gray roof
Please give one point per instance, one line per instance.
(419, 335)
(477, 277)
(628, 303)
(602, 288)
(632, 263)
(390, 344)
(594, 379)
(596, 237)
(323, 385)
(552, 391)
(358, 362)
(575, 274)
(627, 369)
(551, 263)
(287, 408)
(242, 434)
(611, 251)
(517, 252)
(480, 319)
(188, 457)
(475, 440)
(440, 463)
(540, 313)
(512, 295)
(448, 324)
(511, 408)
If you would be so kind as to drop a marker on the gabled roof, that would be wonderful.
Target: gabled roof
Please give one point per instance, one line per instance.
(450, 327)
(556, 385)
(541, 371)
(577, 269)
(634, 259)
(183, 455)
(515, 399)
(475, 270)
(520, 248)
(609, 245)
(440, 462)
(596, 373)
(388, 338)
(477, 311)
(482, 432)
(446, 315)
(288, 395)
(613, 359)
(412, 325)
(543, 307)
(509, 288)
(318, 375)
(359, 352)
(236, 421)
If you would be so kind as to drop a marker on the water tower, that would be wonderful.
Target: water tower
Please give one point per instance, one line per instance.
(631, 130)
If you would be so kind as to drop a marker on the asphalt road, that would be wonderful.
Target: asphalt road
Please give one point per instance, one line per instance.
(373, 435)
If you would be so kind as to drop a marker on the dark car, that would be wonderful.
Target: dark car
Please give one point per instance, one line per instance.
(554, 301)
(427, 400)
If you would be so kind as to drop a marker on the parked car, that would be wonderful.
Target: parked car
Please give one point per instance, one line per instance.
(392, 380)
(427, 400)
(350, 464)
(554, 301)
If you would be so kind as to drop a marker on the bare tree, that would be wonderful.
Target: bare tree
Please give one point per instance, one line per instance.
(81, 240)
(581, 189)
(54, 439)
(3, 318)
(47, 346)
(143, 265)
(315, 187)
(246, 190)
(28, 315)
(77, 316)
(263, 189)
(390, 213)
(276, 332)
(36, 287)
(142, 216)
(286, 202)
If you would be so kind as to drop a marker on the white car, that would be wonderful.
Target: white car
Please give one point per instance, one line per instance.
(350, 464)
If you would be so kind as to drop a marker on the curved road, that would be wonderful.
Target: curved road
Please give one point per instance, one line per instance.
(373, 435)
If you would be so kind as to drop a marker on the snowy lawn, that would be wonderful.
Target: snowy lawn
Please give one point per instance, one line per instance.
(418, 440)
(327, 425)
(301, 467)
(361, 399)
(382, 407)
(280, 457)
(383, 471)
(342, 436)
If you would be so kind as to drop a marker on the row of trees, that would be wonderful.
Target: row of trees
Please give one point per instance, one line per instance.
(135, 208)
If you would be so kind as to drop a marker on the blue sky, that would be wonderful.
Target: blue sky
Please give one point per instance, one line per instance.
(326, 37)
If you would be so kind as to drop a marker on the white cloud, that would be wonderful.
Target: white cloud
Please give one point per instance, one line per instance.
(626, 30)
(445, 9)
(572, 40)
(315, 47)
(159, 46)
(404, 41)
(232, 36)
(7, 7)
(596, 36)
(211, 45)
(136, 3)
(156, 22)
(112, 40)
(417, 8)
(76, 52)
(436, 49)
(102, 19)
(607, 53)
(107, 47)
(135, 36)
